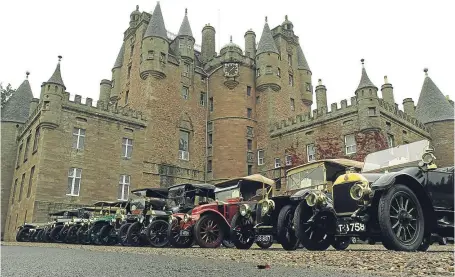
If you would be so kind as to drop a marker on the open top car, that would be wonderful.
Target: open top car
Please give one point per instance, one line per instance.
(100, 212)
(212, 221)
(400, 198)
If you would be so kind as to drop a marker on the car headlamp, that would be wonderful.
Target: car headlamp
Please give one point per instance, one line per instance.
(244, 209)
(427, 158)
(186, 218)
(316, 198)
(267, 206)
(360, 191)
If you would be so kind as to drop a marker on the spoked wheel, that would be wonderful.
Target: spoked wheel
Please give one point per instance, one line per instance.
(23, 235)
(285, 232)
(134, 234)
(47, 235)
(312, 234)
(122, 234)
(176, 238)
(55, 233)
(341, 243)
(71, 235)
(401, 219)
(63, 233)
(157, 233)
(82, 235)
(93, 233)
(107, 235)
(208, 232)
(242, 232)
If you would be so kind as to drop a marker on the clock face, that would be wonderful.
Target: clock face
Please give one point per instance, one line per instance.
(231, 69)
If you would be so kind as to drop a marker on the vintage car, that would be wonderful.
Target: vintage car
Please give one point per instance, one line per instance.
(89, 229)
(212, 221)
(186, 197)
(152, 221)
(272, 218)
(31, 232)
(400, 198)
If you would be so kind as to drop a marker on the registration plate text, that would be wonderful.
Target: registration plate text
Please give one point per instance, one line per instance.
(184, 233)
(264, 238)
(352, 227)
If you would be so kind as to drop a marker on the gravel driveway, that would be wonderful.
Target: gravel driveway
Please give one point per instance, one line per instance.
(358, 259)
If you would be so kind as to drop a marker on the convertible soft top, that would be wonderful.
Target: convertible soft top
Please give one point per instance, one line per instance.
(151, 192)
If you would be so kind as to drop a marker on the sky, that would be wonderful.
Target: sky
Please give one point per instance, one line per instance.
(396, 38)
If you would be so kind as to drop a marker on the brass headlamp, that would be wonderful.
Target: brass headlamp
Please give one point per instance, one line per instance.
(360, 191)
(316, 198)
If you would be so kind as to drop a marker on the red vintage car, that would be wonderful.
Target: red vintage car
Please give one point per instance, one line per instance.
(209, 224)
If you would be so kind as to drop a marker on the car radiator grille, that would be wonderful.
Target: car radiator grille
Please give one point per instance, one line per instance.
(343, 203)
(258, 213)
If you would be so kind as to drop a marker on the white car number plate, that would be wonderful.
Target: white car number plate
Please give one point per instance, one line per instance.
(353, 227)
(264, 238)
(184, 233)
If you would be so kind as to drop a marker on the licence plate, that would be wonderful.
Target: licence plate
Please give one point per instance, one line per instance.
(264, 238)
(351, 227)
(184, 233)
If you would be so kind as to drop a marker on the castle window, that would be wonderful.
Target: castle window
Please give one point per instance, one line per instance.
(388, 125)
(291, 80)
(209, 126)
(202, 99)
(249, 112)
(277, 162)
(278, 73)
(124, 187)
(371, 111)
(249, 131)
(131, 51)
(20, 189)
(151, 55)
(14, 191)
(184, 145)
(19, 153)
(288, 160)
(390, 140)
(249, 144)
(203, 79)
(248, 91)
(260, 157)
(210, 139)
(185, 93)
(74, 181)
(292, 104)
(78, 138)
(209, 166)
(127, 148)
(129, 71)
(26, 148)
(250, 169)
(405, 132)
(268, 70)
(181, 43)
(30, 181)
(289, 59)
(211, 104)
(258, 72)
(350, 144)
(311, 152)
(186, 69)
(163, 57)
(126, 96)
(308, 87)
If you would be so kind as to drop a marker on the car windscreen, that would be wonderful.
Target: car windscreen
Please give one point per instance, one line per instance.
(396, 157)
(306, 178)
(227, 193)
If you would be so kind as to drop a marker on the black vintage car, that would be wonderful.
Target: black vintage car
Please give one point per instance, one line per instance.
(400, 198)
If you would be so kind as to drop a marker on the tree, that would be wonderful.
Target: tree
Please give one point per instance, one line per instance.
(6, 93)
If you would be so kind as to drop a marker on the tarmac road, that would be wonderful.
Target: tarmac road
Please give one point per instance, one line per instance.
(50, 261)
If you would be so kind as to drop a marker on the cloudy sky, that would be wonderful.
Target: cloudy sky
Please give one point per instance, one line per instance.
(396, 38)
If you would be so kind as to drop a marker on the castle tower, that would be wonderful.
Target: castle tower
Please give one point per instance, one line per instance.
(387, 92)
(267, 62)
(116, 83)
(368, 102)
(306, 87)
(208, 43)
(105, 92)
(436, 113)
(321, 96)
(186, 39)
(250, 44)
(408, 107)
(134, 17)
(52, 96)
(14, 114)
(155, 47)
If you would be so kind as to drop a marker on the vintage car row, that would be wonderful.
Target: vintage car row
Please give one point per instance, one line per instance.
(397, 197)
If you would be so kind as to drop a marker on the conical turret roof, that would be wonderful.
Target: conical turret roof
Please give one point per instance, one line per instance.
(432, 106)
(156, 27)
(16, 109)
(266, 43)
(301, 61)
(119, 61)
(365, 80)
(185, 28)
(56, 78)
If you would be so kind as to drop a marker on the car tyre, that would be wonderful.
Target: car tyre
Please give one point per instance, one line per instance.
(242, 232)
(123, 234)
(23, 235)
(175, 239)
(264, 245)
(82, 235)
(313, 236)
(134, 234)
(400, 214)
(71, 235)
(93, 233)
(341, 243)
(106, 237)
(209, 231)
(285, 233)
(157, 233)
(55, 233)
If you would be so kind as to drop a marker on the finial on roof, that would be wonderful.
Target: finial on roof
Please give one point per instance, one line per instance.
(286, 17)
(59, 58)
(266, 19)
(137, 7)
(186, 11)
(319, 82)
(363, 62)
(231, 39)
(26, 74)
(386, 80)
(426, 71)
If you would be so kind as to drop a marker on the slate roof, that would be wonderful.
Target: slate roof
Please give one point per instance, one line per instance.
(433, 106)
(301, 61)
(119, 61)
(266, 43)
(364, 80)
(56, 78)
(156, 27)
(17, 107)
(185, 28)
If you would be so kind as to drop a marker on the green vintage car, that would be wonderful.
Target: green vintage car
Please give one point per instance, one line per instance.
(100, 213)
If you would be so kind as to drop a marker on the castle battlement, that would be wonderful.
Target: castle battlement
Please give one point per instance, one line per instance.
(397, 114)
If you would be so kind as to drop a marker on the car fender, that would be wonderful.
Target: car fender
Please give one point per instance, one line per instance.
(387, 180)
(218, 214)
(301, 194)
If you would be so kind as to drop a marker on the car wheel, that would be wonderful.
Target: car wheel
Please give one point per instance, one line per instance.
(157, 233)
(82, 235)
(175, 239)
(55, 233)
(46, 235)
(242, 232)
(39, 237)
(93, 233)
(71, 236)
(63, 233)
(23, 235)
(122, 234)
(401, 218)
(107, 235)
(341, 243)
(313, 235)
(134, 234)
(208, 231)
(285, 231)
(264, 245)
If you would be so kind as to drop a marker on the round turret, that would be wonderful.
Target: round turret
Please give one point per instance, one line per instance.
(135, 16)
(208, 43)
(231, 47)
(287, 25)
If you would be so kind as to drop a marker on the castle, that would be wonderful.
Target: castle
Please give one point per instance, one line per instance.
(174, 113)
